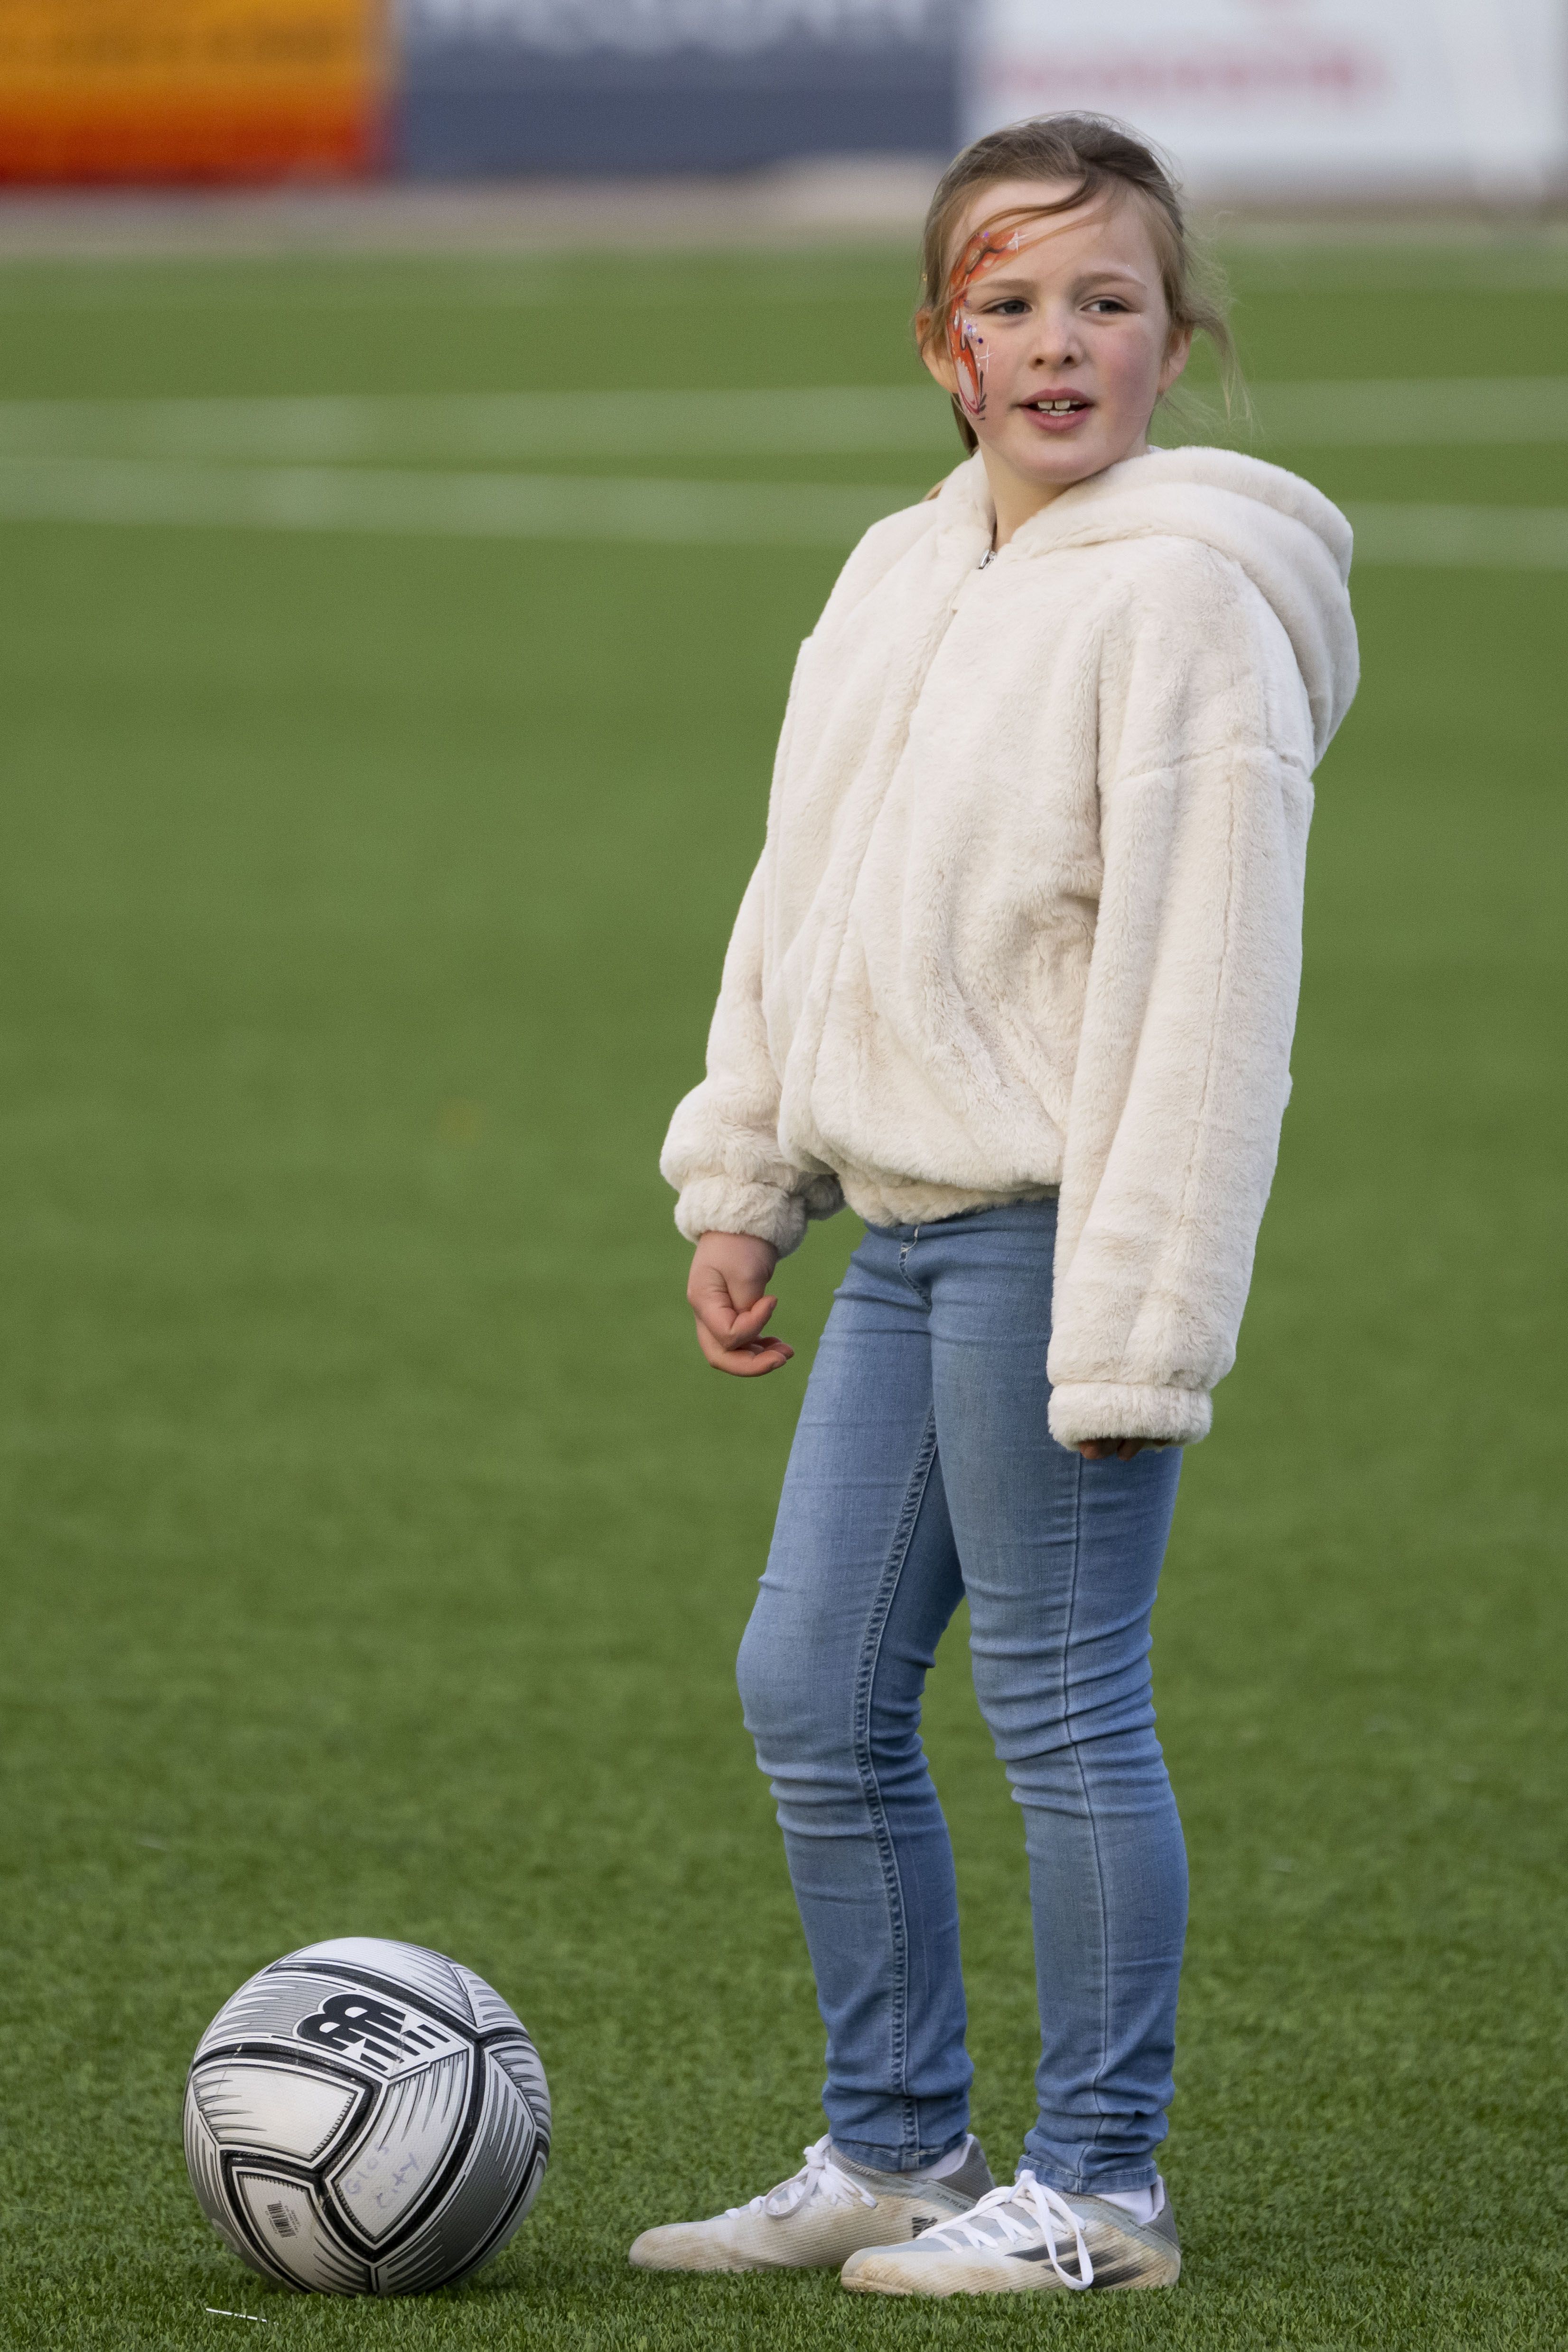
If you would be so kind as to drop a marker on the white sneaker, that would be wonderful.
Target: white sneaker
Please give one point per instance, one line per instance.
(1024, 2238)
(829, 2209)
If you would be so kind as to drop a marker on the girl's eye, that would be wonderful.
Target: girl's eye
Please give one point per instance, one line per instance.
(1107, 303)
(1010, 306)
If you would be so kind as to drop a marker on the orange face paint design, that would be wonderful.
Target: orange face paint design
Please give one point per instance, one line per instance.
(965, 343)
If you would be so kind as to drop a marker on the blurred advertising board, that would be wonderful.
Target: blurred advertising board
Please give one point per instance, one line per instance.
(499, 87)
(1286, 99)
(1297, 99)
(189, 89)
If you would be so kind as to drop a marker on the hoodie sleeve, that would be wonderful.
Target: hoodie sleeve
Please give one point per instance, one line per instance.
(721, 1153)
(1184, 1061)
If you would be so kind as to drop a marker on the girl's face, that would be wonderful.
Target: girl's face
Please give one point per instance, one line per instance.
(1059, 344)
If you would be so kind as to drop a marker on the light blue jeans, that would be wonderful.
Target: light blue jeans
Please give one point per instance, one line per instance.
(922, 1472)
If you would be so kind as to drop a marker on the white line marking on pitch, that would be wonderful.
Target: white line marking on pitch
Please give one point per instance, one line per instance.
(809, 421)
(462, 506)
(805, 421)
(653, 511)
(1489, 539)
(1423, 412)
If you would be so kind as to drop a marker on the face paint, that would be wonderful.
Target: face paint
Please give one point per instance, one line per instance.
(965, 343)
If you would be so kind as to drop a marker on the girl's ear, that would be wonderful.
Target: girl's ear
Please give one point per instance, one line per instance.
(938, 364)
(1178, 351)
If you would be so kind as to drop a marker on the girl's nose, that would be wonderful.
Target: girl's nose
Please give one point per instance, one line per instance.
(1057, 343)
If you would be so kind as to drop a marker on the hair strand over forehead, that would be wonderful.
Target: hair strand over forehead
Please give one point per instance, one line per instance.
(1091, 155)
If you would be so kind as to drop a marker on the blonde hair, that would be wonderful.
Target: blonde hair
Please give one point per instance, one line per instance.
(1092, 153)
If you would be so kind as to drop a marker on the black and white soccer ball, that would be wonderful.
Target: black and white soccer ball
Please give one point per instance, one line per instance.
(366, 2118)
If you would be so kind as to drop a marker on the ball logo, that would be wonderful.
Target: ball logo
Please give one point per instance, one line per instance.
(357, 2025)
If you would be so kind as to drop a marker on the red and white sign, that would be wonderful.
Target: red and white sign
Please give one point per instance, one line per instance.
(1275, 97)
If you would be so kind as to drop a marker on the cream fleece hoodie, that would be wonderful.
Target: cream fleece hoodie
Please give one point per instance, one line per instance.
(1028, 915)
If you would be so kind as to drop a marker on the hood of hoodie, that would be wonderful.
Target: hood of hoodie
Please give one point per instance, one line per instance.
(1291, 541)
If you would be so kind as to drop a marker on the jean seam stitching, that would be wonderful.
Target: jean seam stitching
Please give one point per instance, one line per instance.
(1088, 1810)
(914, 1496)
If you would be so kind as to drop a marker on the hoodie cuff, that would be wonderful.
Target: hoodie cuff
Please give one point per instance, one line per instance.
(1083, 1410)
(720, 1204)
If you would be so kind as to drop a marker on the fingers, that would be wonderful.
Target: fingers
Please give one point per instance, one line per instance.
(745, 1354)
(746, 1288)
(728, 1295)
(717, 1313)
(718, 1302)
(1104, 1449)
(733, 1340)
(731, 1269)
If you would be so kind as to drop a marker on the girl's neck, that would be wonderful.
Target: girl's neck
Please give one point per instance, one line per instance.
(1018, 500)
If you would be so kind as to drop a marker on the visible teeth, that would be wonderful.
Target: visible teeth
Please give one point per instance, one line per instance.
(1058, 407)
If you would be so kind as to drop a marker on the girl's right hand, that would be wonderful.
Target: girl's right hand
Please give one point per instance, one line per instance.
(728, 1293)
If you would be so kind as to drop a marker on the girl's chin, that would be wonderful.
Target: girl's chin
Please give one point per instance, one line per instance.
(1054, 462)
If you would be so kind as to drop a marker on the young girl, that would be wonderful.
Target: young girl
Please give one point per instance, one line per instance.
(1015, 979)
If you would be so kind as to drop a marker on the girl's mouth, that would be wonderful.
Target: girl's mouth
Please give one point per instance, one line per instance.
(1057, 411)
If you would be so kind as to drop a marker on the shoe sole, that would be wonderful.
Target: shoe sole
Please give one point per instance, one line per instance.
(710, 2257)
(931, 2275)
(688, 2246)
(719, 2261)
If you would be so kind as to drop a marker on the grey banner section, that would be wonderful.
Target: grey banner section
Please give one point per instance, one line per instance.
(502, 88)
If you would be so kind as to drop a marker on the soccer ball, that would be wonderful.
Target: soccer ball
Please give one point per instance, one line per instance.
(366, 2118)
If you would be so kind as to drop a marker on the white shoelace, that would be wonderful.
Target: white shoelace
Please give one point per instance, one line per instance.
(819, 2177)
(1047, 2210)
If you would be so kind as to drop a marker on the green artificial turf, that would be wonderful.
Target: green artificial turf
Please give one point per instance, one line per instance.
(376, 1545)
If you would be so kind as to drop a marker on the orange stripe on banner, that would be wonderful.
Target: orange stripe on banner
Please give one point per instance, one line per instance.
(210, 90)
